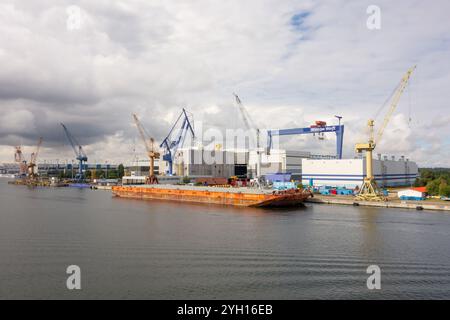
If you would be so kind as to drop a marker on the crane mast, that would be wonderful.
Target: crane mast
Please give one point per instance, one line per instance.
(149, 147)
(369, 189)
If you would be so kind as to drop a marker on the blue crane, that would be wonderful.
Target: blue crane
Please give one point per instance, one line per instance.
(172, 142)
(319, 128)
(79, 153)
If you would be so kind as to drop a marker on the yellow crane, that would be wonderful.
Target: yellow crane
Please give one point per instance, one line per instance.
(369, 190)
(33, 160)
(149, 146)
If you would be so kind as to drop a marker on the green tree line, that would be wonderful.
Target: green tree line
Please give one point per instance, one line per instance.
(437, 181)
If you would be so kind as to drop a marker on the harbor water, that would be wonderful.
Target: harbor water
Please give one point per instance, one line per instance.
(135, 249)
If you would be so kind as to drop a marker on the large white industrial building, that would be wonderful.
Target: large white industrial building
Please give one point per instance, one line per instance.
(350, 173)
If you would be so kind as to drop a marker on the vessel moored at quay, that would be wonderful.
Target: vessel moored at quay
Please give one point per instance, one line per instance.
(245, 197)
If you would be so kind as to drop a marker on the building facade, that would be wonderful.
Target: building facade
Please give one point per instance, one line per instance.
(198, 162)
(350, 173)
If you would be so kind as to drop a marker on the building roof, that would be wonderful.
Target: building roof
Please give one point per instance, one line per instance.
(410, 192)
(420, 189)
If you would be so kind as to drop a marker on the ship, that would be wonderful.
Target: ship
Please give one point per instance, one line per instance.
(236, 196)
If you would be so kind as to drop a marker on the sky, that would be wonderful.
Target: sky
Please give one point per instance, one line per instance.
(91, 64)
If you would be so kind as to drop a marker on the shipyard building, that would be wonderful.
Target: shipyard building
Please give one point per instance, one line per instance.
(199, 162)
(350, 173)
(282, 161)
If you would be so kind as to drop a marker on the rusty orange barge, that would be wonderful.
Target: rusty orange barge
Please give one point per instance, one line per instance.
(246, 197)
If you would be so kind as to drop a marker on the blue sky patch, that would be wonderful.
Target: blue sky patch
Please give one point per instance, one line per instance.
(297, 20)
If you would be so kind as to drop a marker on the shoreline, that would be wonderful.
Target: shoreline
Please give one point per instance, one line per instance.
(392, 203)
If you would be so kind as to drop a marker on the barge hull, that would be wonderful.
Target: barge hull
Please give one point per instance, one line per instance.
(210, 196)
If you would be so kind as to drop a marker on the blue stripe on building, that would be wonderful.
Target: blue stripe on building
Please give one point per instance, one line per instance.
(350, 179)
(359, 175)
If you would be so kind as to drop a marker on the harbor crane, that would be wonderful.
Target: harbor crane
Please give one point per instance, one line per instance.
(250, 125)
(79, 153)
(32, 164)
(173, 141)
(369, 190)
(320, 127)
(149, 146)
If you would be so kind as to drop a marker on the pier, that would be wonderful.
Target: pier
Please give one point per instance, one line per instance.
(391, 203)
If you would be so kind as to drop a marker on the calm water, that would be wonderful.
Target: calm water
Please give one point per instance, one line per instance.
(149, 249)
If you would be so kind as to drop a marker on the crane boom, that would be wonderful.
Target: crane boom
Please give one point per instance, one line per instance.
(79, 152)
(149, 146)
(250, 125)
(35, 154)
(395, 100)
(142, 133)
(77, 148)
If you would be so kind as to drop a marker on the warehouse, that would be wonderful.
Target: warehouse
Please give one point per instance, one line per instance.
(350, 173)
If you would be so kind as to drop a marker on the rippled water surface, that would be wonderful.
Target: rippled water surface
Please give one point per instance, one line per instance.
(167, 250)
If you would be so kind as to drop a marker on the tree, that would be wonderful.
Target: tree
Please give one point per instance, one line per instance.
(112, 174)
(433, 187)
(100, 174)
(120, 171)
(445, 192)
(444, 188)
(418, 183)
(436, 181)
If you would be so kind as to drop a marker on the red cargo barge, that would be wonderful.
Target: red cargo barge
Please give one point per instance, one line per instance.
(246, 197)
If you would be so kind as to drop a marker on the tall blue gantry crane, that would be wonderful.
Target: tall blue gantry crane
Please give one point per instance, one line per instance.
(174, 141)
(319, 128)
(79, 153)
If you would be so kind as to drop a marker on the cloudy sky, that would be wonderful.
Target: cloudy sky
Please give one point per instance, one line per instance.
(291, 62)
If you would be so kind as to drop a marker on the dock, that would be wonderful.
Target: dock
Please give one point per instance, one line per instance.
(391, 203)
